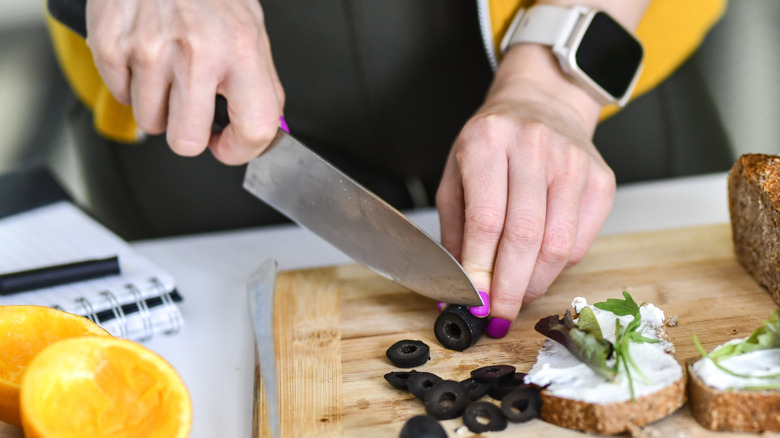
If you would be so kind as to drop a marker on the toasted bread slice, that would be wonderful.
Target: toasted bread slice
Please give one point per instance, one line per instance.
(720, 401)
(732, 410)
(576, 397)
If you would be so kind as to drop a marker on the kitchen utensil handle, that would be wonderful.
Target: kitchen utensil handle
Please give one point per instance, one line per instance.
(73, 14)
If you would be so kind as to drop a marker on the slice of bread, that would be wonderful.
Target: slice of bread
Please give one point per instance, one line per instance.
(732, 410)
(754, 201)
(575, 397)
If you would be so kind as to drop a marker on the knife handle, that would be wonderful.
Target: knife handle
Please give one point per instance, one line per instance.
(73, 14)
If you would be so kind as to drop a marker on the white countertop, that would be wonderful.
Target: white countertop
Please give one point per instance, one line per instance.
(214, 353)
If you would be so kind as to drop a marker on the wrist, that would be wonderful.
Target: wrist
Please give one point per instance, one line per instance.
(530, 72)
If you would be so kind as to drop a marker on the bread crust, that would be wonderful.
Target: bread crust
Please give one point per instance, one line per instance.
(735, 411)
(613, 418)
(754, 201)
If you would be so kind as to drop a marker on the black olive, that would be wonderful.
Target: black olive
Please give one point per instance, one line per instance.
(399, 379)
(422, 426)
(494, 374)
(499, 390)
(475, 389)
(457, 329)
(419, 383)
(446, 399)
(408, 354)
(482, 416)
(521, 405)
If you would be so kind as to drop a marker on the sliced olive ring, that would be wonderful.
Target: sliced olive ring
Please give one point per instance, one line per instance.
(399, 379)
(419, 383)
(522, 404)
(482, 416)
(499, 390)
(408, 353)
(494, 374)
(475, 389)
(447, 399)
(422, 426)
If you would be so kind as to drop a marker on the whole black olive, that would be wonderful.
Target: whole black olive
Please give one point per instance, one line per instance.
(457, 329)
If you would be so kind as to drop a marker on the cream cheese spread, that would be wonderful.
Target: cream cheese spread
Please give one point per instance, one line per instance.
(755, 364)
(563, 375)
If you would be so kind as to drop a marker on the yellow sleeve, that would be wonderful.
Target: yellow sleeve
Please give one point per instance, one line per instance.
(112, 119)
(670, 31)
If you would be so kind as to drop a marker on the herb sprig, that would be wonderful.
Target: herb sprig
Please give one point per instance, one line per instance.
(624, 336)
(765, 337)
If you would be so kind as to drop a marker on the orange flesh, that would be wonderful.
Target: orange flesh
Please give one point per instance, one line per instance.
(103, 387)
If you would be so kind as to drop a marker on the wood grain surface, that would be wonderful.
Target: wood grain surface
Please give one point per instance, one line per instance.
(334, 325)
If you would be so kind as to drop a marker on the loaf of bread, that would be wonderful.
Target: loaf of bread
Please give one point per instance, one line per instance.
(754, 206)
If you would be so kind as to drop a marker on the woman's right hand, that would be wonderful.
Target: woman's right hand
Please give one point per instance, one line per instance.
(170, 58)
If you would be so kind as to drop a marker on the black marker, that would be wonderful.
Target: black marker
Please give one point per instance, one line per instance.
(57, 275)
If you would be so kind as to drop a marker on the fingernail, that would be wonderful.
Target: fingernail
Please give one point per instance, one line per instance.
(283, 124)
(498, 327)
(483, 310)
(441, 306)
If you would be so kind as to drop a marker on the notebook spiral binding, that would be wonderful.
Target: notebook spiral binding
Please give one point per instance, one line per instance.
(136, 318)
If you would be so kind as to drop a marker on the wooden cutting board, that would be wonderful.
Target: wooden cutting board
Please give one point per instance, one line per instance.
(334, 325)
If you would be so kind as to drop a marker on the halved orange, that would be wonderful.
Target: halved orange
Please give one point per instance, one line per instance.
(24, 331)
(103, 387)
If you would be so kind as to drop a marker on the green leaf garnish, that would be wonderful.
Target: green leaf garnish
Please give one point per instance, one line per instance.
(584, 341)
(625, 335)
(765, 337)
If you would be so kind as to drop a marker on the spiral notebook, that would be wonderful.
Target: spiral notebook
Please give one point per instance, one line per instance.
(137, 304)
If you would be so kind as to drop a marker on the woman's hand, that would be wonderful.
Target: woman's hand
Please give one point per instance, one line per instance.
(524, 192)
(170, 58)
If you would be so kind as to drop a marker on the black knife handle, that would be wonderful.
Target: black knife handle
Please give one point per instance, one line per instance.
(73, 14)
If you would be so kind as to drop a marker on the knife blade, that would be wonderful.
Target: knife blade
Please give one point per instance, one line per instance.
(300, 184)
(261, 286)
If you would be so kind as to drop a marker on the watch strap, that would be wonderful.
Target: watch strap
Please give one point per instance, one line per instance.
(543, 24)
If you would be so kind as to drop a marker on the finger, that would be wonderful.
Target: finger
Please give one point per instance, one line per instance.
(484, 169)
(190, 112)
(595, 206)
(254, 107)
(449, 203)
(111, 57)
(522, 235)
(149, 91)
(564, 195)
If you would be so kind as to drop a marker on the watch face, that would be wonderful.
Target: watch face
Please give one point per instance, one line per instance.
(609, 55)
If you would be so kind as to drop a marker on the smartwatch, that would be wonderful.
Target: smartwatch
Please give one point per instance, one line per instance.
(593, 49)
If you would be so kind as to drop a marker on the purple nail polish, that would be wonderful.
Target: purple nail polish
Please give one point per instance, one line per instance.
(441, 306)
(498, 328)
(283, 124)
(483, 310)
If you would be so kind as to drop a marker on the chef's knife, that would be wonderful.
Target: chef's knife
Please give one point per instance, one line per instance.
(310, 191)
(294, 180)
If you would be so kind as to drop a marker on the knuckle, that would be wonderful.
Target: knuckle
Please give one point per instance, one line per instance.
(258, 134)
(485, 221)
(523, 233)
(557, 246)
